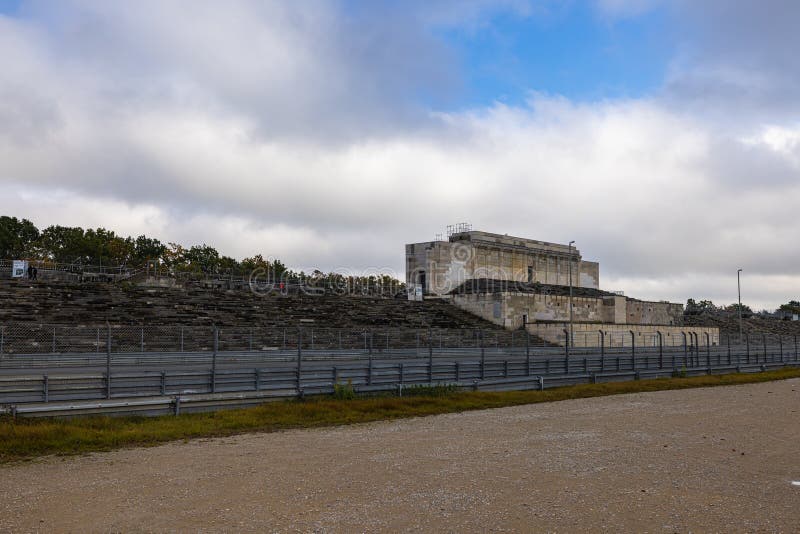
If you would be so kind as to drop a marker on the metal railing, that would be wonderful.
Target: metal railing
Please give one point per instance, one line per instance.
(78, 364)
(40, 339)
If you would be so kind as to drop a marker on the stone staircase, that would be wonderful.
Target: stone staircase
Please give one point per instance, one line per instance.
(728, 324)
(52, 302)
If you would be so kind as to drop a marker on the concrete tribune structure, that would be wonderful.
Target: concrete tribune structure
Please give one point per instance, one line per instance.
(524, 283)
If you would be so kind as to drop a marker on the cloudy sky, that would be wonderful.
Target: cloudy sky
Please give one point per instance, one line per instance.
(662, 136)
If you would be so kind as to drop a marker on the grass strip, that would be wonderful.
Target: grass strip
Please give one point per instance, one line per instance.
(24, 439)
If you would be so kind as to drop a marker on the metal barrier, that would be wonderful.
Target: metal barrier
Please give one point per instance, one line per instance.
(277, 364)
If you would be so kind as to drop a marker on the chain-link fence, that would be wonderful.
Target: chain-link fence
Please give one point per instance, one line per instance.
(28, 338)
(21, 338)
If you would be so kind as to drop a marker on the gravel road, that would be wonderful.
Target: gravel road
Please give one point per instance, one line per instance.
(718, 459)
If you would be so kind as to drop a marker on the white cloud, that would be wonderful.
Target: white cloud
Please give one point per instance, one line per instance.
(268, 131)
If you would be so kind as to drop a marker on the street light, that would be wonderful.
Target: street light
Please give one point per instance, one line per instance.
(739, 284)
(571, 337)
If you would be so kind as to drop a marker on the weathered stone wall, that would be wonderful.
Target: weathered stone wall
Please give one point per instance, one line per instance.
(512, 309)
(643, 312)
(447, 264)
(619, 335)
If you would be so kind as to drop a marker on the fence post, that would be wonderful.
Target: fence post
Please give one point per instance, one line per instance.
(780, 344)
(369, 369)
(660, 350)
(527, 353)
(633, 350)
(257, 372)
(163, 382)
(483, 354)
(214, 361)
(181, 338)
(684, 349)
(430, 355)
(251, 341)
(708, 349)
(141, 345)
(747, 346)
(764, 341)
(45, 388)
(729, 349)
(795, 348)
(97, 344)
(299, 358)
(3, 339)
(54, 341)
(566, 351)
(602, 351)
(108, 361)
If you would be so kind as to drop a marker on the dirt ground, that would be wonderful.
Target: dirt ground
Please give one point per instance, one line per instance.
(719, 459)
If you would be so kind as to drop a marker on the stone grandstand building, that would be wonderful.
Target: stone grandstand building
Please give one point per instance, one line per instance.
(524, 283)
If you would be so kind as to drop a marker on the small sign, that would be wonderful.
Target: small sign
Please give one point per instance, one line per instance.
(415, 292)
(19, 269)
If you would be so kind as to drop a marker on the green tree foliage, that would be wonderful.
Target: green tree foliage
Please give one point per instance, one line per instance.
(268, 269)
(63, 244)
(99, 246)
(146, 248)
(16, 237)
(792, 306)
(735, 308)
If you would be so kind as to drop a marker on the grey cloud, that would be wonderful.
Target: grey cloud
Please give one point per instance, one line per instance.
(291, 130)
(737, 60)
(304, 71)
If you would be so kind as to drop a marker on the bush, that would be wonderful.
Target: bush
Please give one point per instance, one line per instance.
(344, 391)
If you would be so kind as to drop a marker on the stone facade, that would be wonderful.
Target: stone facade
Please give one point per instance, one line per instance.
(619, 335)
(515, 309)
(524, 283)
(441, 266)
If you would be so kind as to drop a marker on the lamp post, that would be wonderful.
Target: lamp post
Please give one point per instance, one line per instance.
(571, 338)
(739, 285)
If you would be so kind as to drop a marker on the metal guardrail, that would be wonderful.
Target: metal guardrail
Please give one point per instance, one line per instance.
(232, 379)
(193, 402)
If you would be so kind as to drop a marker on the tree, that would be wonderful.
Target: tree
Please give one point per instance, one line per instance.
(694, 307)
(735, 308)
(145, 248)
(17, 237)
(63, 244)
(202, 258)
(792, 306)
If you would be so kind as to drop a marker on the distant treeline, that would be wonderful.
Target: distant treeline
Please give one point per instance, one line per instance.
(21, 239)
(695, 307)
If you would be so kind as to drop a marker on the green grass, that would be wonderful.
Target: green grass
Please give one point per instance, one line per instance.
(24, 439)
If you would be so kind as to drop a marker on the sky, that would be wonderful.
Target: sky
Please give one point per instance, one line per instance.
(662, 136)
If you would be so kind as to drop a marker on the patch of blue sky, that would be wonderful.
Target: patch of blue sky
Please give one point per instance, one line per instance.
(10, 7)
(574, 52)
